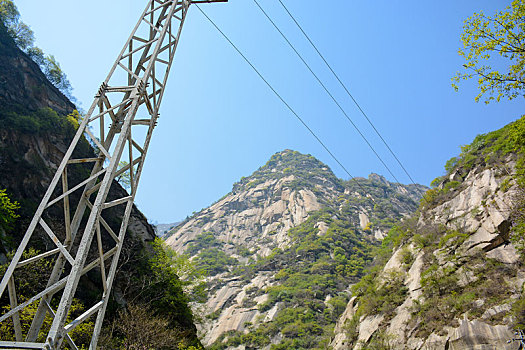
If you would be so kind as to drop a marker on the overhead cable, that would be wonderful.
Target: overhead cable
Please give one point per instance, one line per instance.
(326, 89)
(282, 99)
(348, 92)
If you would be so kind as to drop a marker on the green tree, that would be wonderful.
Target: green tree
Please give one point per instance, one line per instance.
(7, 214)
(56, 75)
(124, 179)
(494, 50)
(18, 30)
(7, 210)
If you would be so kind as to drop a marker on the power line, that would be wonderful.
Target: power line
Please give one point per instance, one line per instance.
(348, 92)
(281, 98)
(326, 89)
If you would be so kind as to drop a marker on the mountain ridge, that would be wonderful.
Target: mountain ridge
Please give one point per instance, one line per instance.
(291, 208)
(282, 163)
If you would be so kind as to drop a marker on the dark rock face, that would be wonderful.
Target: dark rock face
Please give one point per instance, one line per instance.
(29, 159)
(22, 84)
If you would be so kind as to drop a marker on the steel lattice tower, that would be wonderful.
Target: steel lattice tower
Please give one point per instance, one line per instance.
(120, 123)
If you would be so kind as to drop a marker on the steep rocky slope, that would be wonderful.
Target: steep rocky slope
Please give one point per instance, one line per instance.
(452, 276)
(37, 123)
(281, 248)
(22, 85)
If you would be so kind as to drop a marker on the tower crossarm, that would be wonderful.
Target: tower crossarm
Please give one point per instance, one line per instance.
(119, 124)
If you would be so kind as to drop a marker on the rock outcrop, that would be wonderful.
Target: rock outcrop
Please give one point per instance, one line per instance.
(460, 272)
(256, 227)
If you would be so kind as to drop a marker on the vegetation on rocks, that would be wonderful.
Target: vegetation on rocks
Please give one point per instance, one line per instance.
(492, 150)
(312, 275)
(147, 293)
(41, 122)
(380, 295)
(8, 214)
(443, 296)
(454, 284)
(445, 299)
(24, 38)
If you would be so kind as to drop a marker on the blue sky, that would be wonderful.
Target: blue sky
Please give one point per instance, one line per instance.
(220, 122)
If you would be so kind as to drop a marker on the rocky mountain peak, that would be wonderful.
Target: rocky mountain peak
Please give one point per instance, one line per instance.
(291, 225)
(378, 178)
(297, 167)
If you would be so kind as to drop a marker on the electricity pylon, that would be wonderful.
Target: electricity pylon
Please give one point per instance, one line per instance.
(134, 88)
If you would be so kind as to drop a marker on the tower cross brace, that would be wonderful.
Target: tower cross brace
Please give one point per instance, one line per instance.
(120, 125)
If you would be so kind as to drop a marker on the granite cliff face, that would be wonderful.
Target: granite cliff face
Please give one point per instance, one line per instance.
(264, 205)
(455, 277)
(262, 208)
(291, 219)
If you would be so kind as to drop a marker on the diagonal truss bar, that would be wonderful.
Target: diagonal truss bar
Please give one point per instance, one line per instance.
(38, 257)
(77, 187)
(95, 308)
(68, 338)
(135, 84)
(55, 287)
(55, 240)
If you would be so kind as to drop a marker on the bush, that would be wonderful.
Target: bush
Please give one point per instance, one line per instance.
(202, 241)
(43, 121)
(406, 258)
(8, 213)
(139, 327)
(149, 276)
(213, 261)
(518, 311)
(376, 298)
(380, 341)
(338, 304)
